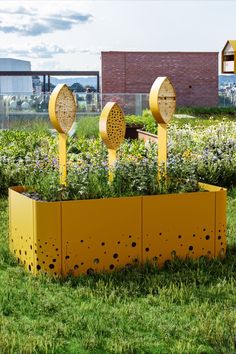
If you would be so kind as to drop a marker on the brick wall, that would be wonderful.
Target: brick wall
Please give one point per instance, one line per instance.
(193, 74)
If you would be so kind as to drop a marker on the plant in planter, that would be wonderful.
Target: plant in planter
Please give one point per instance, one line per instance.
(110, 222)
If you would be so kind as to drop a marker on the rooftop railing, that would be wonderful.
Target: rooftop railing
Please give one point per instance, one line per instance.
(25, 109)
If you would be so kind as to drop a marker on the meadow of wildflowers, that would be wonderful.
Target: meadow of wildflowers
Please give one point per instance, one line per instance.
(195, 153)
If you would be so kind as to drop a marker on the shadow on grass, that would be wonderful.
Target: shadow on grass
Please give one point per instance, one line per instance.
(141, 280)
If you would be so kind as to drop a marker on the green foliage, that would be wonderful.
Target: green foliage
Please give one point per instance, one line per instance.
(207, 111)
(186, 307)
(87, 127)
(200, 153)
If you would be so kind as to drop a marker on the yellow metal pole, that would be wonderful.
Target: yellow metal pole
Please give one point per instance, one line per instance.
(62, 158)
(111, 163)
(162, 150)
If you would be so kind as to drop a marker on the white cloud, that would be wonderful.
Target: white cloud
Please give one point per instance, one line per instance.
(22, 21)
(42, 50)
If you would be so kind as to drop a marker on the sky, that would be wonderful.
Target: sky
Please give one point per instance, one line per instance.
(70, 35)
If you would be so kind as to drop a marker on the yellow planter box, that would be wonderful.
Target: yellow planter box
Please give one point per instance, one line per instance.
(75, 237)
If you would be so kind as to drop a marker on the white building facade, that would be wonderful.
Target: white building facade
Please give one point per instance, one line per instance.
(15, 85)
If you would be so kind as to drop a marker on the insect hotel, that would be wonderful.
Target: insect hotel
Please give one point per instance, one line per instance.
(83, 236)
(228, 58)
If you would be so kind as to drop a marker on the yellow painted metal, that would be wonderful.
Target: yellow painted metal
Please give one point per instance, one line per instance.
(220, 229)
(47, 236)
(21, 228)
(112, 130)
(111, 163)
(62, 108)
(162, 100)
(182, 225)
(57, 237)
(35, 232)
(112, 239)
(162, 150)
(210, 187)
(62, 158)
(112, 125)
(62, 113)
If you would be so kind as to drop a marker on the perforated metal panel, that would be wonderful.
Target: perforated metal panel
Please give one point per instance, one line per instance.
(100, 234)
(220, 230)
(112, 125)
(62, 108)
(162, 100)
(59, 237)
(182, 225)
(47, 236)
(35, 232)
(21, 228)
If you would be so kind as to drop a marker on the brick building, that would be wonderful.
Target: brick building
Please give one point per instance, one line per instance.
(193, 74)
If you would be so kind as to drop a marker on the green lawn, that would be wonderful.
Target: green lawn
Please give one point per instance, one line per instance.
(188, 307)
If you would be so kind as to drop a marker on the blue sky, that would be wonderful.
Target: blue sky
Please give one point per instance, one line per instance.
(69, 35)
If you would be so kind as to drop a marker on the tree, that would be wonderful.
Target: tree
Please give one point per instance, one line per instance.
(77, 87)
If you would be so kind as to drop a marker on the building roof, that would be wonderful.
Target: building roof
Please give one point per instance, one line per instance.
(232, 43)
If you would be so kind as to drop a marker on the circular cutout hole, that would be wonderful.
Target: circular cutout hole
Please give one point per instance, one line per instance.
(179, 236)
(173, 253)
(96, 260)
(118, 242)
(103, 243)
(111, 266)
(90, 271)
(67, 257)
(29, 267)
(133, 244)
(76, 267)
(190, 248)
(207, 237)
(54, 260)
(147, 249)
(81, 241)
(115, 255)
(38, 267)
(51, 266)
(219, 237)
